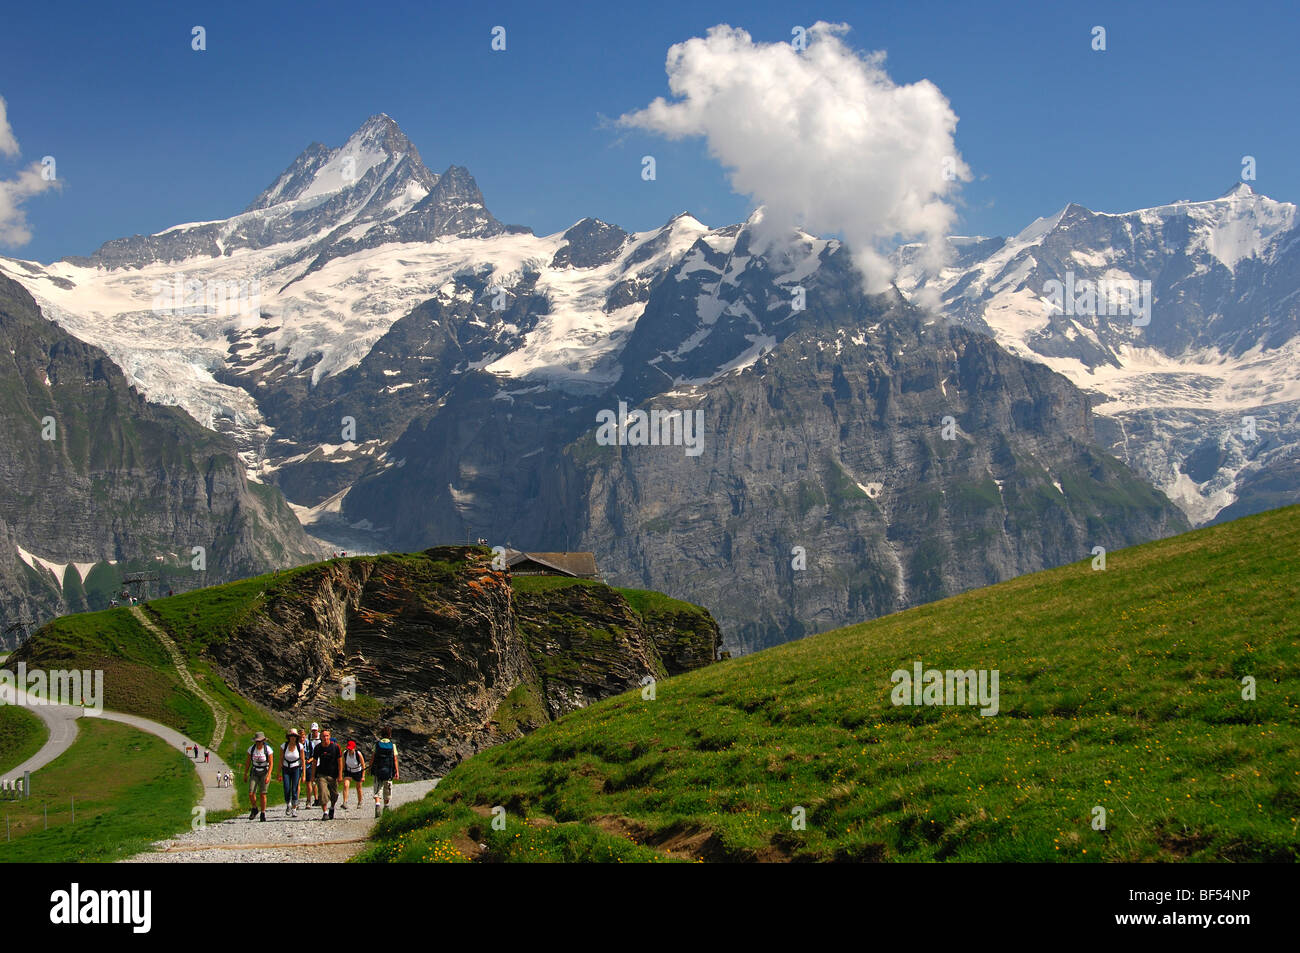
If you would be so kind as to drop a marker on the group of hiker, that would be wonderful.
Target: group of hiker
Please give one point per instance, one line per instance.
(323, 765)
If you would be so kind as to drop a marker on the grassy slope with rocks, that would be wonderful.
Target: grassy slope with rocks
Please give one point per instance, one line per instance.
(1120, 689)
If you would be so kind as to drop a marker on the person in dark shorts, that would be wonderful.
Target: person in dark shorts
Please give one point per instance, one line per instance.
(383, 767)
(354, 771)
(329, 772)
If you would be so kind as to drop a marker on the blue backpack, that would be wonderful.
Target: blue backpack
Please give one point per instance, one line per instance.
(384, 763)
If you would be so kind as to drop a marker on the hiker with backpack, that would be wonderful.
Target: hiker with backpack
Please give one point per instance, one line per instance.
(383, 765)
(257, 768)
(328, 757)
(354, 770)
(293, 756)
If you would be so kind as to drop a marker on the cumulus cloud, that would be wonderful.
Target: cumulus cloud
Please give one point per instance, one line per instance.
(15, 191)
(822, 138)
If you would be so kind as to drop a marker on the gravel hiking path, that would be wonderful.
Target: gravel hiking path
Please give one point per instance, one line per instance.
(61, 720)
(178, 660)
(281, 839)
(214, 798)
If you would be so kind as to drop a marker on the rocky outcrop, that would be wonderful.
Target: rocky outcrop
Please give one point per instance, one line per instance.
(589, 243)
(447, 650)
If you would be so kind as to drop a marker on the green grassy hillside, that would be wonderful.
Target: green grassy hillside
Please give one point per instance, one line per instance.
(1120, 689)
(130, 789)
(22, 734)
(139, 677)
(138, 674)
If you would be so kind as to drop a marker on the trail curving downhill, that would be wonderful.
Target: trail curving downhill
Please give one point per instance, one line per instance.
(62, 722)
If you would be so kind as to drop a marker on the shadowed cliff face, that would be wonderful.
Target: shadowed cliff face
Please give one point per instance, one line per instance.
(90, 471)
(449, 652)
(854, 478)
(873, 460)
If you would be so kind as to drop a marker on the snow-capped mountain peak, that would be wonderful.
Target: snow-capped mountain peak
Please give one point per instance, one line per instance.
(367, 270)
(1186, 311)
(320, 171)
(324, 196)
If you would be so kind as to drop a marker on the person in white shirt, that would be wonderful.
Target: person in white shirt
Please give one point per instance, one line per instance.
(257, 768)
(354, 771)
(293, 757)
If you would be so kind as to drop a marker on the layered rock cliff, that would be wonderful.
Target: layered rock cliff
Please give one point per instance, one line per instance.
(453, 654)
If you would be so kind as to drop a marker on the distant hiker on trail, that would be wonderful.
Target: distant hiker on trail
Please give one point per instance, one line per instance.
(196, 752)
(293, 756)
(383, 764)
(207, 756)
(257, 767)
(329, 772)
(310, 743)
(354, 769)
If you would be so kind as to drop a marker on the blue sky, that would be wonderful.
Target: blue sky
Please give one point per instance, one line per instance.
(148, 133)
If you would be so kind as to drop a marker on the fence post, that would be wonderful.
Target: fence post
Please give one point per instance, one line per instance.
(27, 784)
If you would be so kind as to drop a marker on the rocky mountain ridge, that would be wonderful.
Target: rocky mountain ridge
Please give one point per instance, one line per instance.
(428, 374)
(1201, 393)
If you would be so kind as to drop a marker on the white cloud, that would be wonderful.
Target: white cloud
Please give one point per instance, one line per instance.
(15, 191)
(8, 144)
(822, 138)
